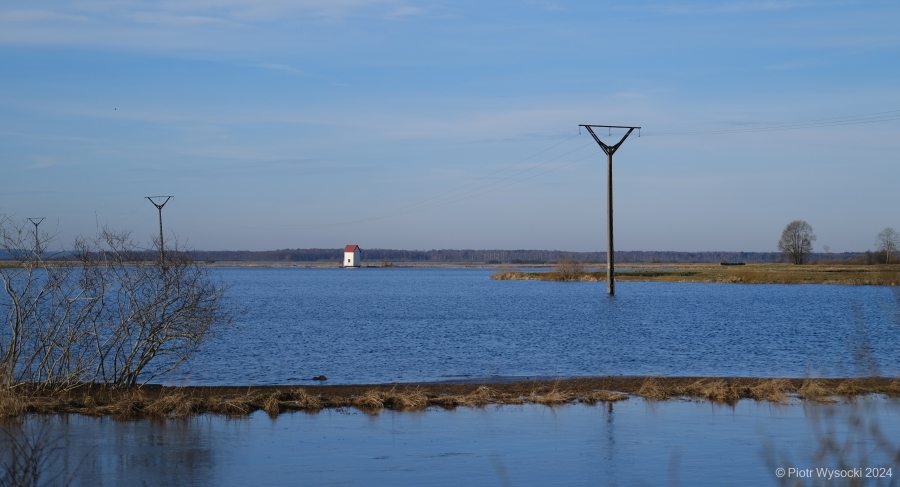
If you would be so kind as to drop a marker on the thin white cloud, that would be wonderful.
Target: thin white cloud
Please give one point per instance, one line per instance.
(39, 16)
(171, 20)
(279, 67)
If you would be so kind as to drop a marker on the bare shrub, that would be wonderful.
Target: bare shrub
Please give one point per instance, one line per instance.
(109, 312)
(568, 270)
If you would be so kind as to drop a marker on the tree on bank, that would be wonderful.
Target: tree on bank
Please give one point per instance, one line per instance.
(796, 241)
(887, 241)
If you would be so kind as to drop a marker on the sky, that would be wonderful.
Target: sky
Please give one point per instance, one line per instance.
(428, 125)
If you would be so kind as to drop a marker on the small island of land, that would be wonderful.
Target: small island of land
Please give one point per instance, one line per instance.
(751, 273)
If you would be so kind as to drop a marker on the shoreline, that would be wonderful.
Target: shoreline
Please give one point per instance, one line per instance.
(156, 401)
(853, 275)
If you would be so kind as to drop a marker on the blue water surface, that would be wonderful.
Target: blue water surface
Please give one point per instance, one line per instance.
(406, 325)
(634, 442)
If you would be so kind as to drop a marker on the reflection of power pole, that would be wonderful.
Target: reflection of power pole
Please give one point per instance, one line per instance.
(37, 241)
(609, 150)
(159, 206)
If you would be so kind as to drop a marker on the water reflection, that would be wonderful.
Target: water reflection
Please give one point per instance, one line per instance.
(630, 443)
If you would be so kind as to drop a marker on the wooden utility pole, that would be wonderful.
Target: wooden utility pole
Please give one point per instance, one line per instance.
(159, 206)
(609, 150)
(37, 241)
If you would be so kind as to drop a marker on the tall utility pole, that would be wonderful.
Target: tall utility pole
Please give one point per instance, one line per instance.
(37, 241)
(609, 150)
(159, 206)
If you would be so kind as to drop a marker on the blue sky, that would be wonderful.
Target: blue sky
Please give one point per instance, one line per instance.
(420, 125)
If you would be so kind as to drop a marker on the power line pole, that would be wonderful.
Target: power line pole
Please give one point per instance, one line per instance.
(609, 150)
(159, 206)
(37, 241)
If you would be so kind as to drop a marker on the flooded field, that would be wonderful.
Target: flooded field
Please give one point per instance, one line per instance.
(634, 442)
(409, 325)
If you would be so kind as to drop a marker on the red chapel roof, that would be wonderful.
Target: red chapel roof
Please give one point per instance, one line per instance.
(351, 248)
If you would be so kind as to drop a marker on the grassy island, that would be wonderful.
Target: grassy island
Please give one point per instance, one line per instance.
(862, 275)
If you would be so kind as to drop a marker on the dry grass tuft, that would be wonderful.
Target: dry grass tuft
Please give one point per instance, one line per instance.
(851, 388)
(893, 388)
(479, 397)
(814, 390)
(407, 400)
(12, 403)
(271, 405)
(446, 401)
(552, 398)
(175, 404)
(602, 396)
(713, 390)
(651, 389)
(369, 401)
(232, 406)
(300, 399)
(772, 390)
(128, 405)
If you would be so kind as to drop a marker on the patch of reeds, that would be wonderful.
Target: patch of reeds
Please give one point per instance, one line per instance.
(772, 390)
(652, 389)
(815, 390)
(715, 390)
(553, 397)
(12, 403)
(594, 397)
(751, 274)
(180, 402)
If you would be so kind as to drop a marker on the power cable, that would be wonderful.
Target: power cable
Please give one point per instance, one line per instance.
(815, 123)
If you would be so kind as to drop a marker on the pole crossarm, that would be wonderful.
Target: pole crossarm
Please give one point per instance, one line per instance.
(609, 149)
(159, 206)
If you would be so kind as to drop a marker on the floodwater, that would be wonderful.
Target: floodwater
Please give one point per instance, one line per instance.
(634, 442)
(407, 325)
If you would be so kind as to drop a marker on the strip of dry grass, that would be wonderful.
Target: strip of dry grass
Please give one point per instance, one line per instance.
(179, 402)
(857, 275)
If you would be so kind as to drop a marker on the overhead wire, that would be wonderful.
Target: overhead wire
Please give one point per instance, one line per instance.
(463, 196)
(885, 116)
(429, 203)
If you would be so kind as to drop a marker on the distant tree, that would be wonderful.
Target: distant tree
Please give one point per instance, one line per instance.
(887, 241)
(569, 270)
(796, 241)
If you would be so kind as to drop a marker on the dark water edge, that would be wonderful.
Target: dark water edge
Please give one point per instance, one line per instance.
(421, 325)
(634, 442)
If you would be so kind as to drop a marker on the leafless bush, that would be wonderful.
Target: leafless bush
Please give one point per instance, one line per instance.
(569, 270)
(109, 311)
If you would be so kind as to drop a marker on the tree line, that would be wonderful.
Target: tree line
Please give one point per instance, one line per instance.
(498, 256)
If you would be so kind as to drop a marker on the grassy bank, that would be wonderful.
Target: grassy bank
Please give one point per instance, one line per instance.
(861, 275)
(170, 402)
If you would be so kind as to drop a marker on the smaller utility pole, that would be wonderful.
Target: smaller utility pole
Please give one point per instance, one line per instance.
(159, 206)
(610, 150)
(37, 240)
